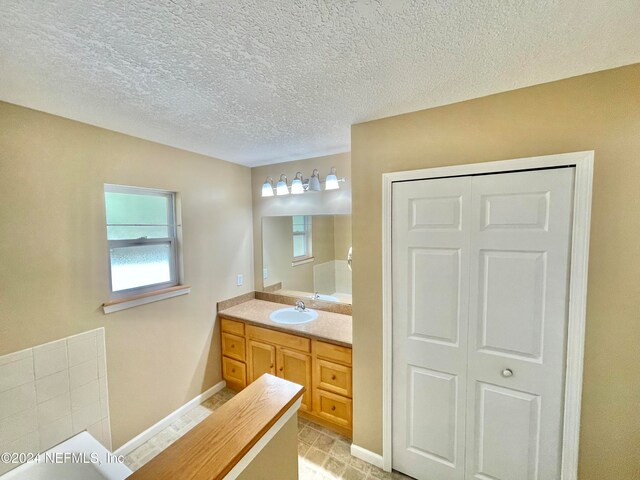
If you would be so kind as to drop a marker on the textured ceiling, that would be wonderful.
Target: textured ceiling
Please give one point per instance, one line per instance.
(264, 81)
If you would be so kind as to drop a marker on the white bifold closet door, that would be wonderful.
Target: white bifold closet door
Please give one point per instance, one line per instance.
(480, 299)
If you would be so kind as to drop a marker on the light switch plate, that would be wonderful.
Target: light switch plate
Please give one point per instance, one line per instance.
(239, 280)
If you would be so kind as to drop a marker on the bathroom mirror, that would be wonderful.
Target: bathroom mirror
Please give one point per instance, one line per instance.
(307, 256)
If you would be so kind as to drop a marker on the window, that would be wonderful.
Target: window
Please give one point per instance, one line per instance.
(141, 231)
(302, 248)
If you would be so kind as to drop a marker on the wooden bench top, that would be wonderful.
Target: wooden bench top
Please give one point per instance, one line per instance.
(213, 447)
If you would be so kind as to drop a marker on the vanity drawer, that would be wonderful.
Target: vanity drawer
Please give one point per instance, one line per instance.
(279, 338)
(332, 352)
(234, 372)
(333, 377)
(231, 326)
(233, 346)
(333, 408)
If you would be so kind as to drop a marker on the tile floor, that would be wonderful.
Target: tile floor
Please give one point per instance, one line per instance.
(322, 454)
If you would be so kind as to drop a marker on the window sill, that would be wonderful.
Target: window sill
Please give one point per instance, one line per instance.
(135, 300)
(302, 261)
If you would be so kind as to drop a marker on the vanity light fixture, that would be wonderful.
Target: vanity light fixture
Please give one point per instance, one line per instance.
(314, 182)
(300, 185)
(281, 186)
(296, 185)
(332, 180)
(267, 187)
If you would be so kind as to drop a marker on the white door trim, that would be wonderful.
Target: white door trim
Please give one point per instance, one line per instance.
(583, 162)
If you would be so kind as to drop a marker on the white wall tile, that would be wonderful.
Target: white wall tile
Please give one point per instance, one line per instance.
(102, 384)
(83, 373)
(106, 433)
(82, 348)
(104, 407)
(14, 374)
(343, 277)
(5, 467)
(17, 399)
(40, 385)
(25, 444)
(324, 277)
(96, 431)
(50, 358)
(86, 416)
(52, 386)
(102, 366)
(17, 426)
(85, 395)
(55, 432)
(54, 409)
(100, 341)
(15, 356)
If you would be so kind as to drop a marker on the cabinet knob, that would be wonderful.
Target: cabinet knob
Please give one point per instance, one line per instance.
(333, 407)
(507, 372)
(233, 346)
(233, 370)
(271, 366)
(333, 377)
(281, 368)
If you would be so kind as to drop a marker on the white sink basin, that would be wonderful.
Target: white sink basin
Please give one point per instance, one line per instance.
(326, 298)
(291, 316)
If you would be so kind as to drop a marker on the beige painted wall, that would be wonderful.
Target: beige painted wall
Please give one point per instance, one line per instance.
(317, 203)
(53, 257)
(277, 245)
(600, 112)
(279, 458)
(342, 236)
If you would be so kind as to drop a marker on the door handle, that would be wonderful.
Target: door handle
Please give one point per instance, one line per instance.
(507, 372)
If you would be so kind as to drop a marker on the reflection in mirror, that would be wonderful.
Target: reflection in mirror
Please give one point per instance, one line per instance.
(307, 256)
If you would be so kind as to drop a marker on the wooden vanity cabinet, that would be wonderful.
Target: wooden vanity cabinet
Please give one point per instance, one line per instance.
(332, 379)
(261, 359)
(324, 369)
(287, 356)
(296, 367)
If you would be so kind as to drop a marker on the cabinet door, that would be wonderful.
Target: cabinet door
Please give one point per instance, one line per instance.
(296, 367)
(262, 359)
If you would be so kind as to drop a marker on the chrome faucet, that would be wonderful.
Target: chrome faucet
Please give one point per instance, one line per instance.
(300, 306)
(315, 296)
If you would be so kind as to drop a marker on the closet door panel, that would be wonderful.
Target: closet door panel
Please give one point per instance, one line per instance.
(519, 272)
(430, 247)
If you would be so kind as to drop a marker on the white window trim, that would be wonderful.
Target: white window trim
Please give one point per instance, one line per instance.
(174, 265)
(302, 261)
(308, 235)
(134, 301)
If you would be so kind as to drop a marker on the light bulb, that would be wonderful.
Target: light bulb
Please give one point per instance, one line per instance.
(281, 186)
(267, 188)
(331, 183)
(296, 185)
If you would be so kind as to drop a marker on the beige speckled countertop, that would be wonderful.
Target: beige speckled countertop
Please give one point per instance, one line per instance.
(331, 327)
